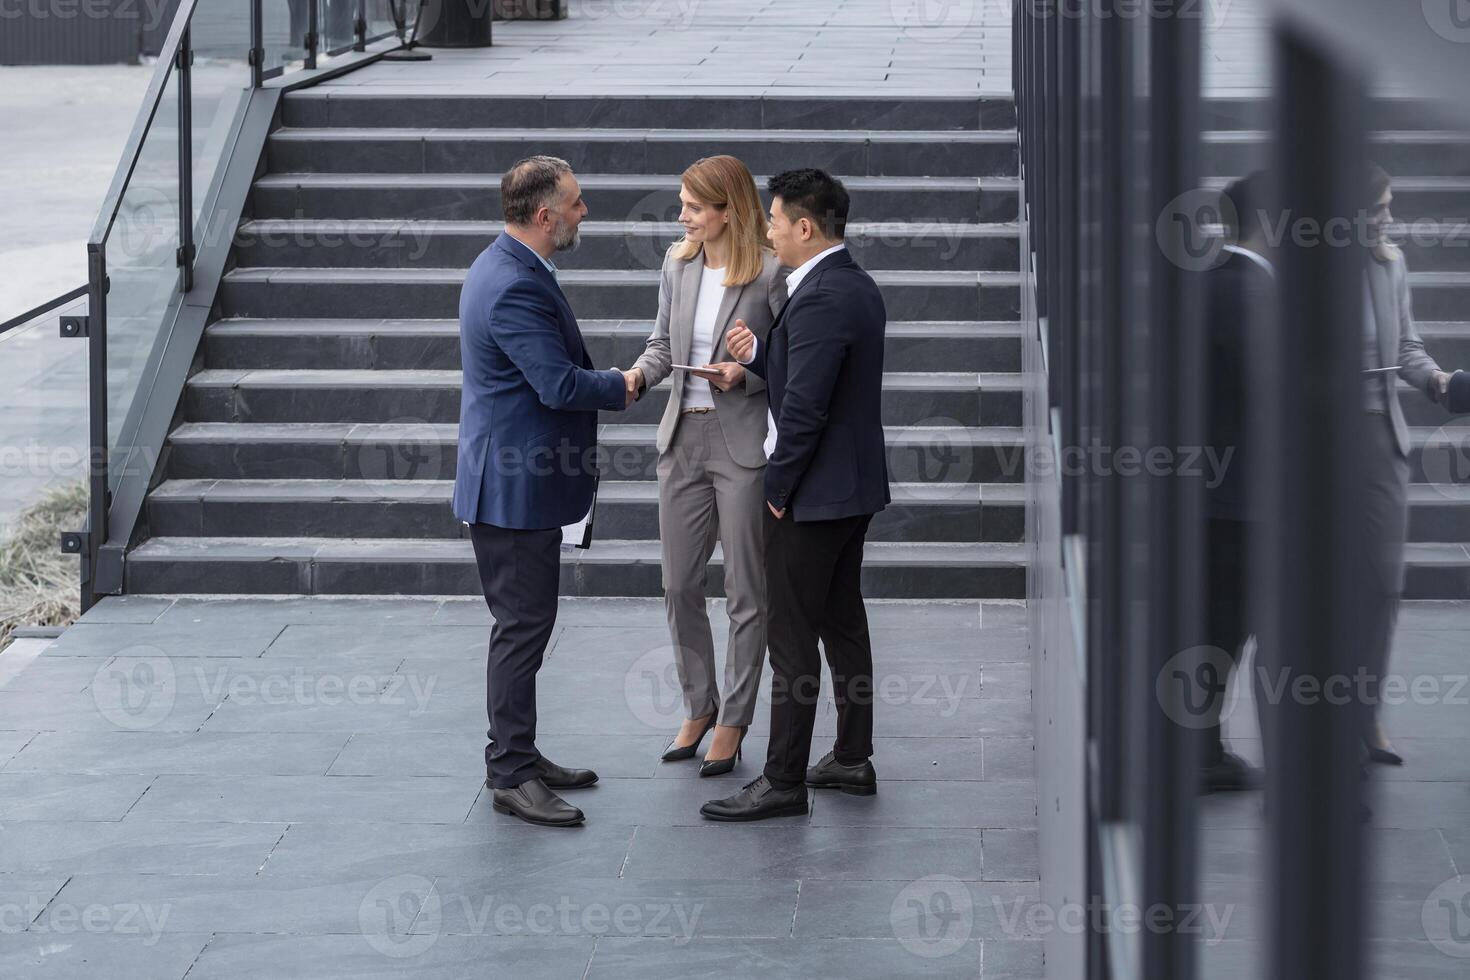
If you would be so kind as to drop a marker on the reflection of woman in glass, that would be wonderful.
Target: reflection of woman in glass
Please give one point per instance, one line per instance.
(711, 463)
(1389, 338)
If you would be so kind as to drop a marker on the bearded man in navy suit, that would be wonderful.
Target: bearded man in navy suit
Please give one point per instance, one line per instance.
(526, 467)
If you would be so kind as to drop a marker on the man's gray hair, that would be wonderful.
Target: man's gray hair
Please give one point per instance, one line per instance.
(530, 185)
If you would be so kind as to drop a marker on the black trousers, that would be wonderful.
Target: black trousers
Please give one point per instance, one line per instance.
(814, 587)
(520, 574)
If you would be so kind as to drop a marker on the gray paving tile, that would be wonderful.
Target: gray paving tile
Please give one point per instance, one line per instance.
(422, 957)
(291, 799)
(252, 904)
(407, 707)
(924, 646)
(22, 897)
(80, 955)
(127, 609)
(352, 639)
(779, 849)
(47, 796)
(68, 847)
(852, 959)
(676, 909)
(201, 753)
(1009, 758)
(1457, 842)
(894, 909)
(1002, 803)
(431, 754)
(1007, 681)
(973, 716)
(1429, 760)
(1420, 805)
(290, 610)
(178, 638)
(502, 846)
(121, 701)
(11, 743)
(60, 675)
(1010, 855)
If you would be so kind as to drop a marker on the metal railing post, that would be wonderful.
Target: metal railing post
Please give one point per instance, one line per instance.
(313, 31)
(257, 45)
(359, 27)
(185, 258)
(99, 494)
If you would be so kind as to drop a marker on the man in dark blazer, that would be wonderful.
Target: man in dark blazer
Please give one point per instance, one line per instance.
(527, 438)
(827, 475)
(1239, 294)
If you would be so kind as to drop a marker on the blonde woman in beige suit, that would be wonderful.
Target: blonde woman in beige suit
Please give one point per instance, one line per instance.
(710, 442)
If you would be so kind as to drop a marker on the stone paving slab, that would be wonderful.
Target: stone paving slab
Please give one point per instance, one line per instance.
(295, 787)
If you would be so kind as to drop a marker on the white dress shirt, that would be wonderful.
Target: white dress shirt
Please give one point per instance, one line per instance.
(697, 391)
(792, 281)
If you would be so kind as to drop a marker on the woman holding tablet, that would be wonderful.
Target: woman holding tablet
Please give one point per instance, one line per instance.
(710, 442)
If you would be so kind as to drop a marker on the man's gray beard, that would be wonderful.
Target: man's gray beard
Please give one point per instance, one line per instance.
(564, 244)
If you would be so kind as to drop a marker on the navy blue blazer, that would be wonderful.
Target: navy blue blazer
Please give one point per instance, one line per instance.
(529, 402)
(823, 365)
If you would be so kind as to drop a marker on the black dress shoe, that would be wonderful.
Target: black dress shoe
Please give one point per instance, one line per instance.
(678, 753)
(534, 803)
(1230, 774)
(718, 767)
(759, 800)
(859, 780)
(560, 777)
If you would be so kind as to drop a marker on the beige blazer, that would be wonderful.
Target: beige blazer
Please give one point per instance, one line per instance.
(742, 410)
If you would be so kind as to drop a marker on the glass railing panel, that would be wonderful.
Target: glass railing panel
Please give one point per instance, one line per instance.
(380, 20)
(142, 266)
(221, 87)
(44, 454)
(337, 18)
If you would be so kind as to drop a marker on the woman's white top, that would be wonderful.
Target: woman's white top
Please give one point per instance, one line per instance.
(697, 390)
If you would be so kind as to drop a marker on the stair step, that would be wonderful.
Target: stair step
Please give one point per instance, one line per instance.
(1439, 512)
(874, 153)
(625, 510)
(1408, 152)
(394, 243)
(427, 451)
(476, 197)
(376, 566)
(912, 345)
(228, 395)
(455, 110)
(943, 294)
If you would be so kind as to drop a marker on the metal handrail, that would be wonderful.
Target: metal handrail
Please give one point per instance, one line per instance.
(175, 55)
(45, 307)
(133, 149)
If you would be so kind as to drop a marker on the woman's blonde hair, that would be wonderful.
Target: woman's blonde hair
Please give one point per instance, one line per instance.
(725, 183)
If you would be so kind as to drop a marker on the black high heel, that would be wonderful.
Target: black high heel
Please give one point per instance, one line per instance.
(718, 767)
(675, 752)
(1384, 757)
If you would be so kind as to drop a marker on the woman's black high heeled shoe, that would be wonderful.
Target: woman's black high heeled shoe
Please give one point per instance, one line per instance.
(678, 753)
(718, 767)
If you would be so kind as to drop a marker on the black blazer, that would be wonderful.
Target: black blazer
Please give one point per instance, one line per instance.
(1238, 298)
(823, 365)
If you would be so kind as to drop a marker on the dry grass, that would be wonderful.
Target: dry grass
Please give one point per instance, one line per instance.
(39, 586)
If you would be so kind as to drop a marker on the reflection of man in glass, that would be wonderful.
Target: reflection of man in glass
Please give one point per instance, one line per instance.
(1238, 293)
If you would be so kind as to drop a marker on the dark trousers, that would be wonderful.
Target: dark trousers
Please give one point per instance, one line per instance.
(813, 582)
(520, 574)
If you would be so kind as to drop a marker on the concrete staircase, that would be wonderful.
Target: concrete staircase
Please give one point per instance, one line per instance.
(314, 448)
